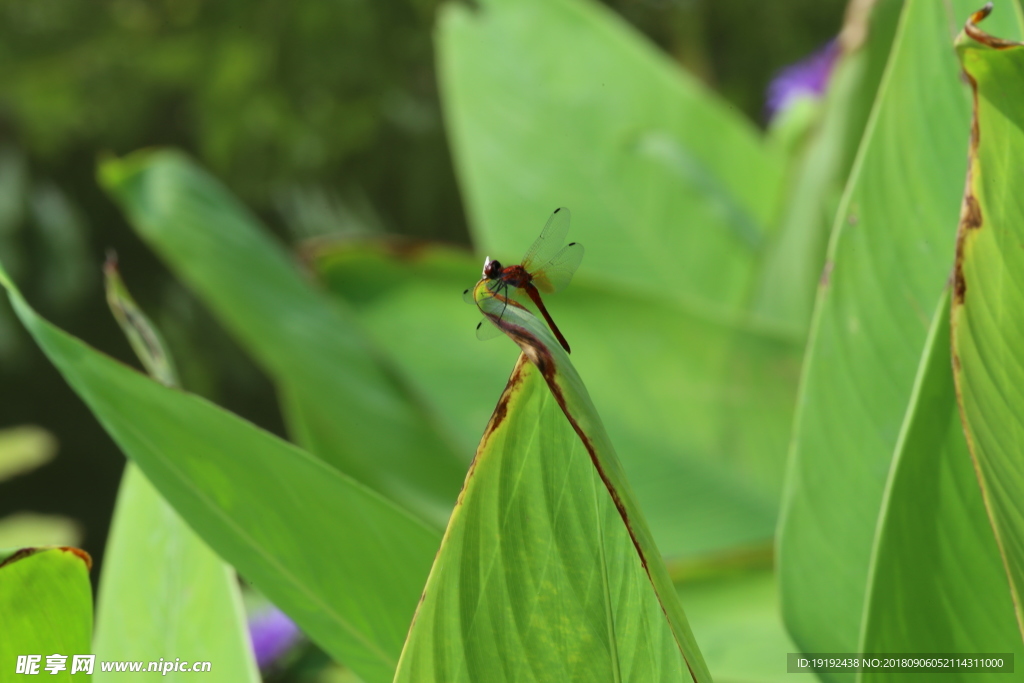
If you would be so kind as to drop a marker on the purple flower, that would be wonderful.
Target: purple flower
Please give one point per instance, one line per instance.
(272, 634)
(806, 78)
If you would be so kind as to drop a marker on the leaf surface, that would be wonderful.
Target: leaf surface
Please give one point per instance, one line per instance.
(164, 594)
(891, 255)
(548, 571)
(345, 563)
(794, 259)
(343, 401)
(45, 608)
(559, 103)
(937, 583)
(702, 430)
(988, 305)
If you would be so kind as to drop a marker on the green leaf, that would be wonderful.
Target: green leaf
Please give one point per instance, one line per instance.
(890, 256)
(702, 427)
(558, 103)
(794, 259)
(345, 563)
(45, 607)
(343, 401)
(601, 605)
(937, 583)
(163, 592)
(542, 575)
(554, 103)
(988, 306)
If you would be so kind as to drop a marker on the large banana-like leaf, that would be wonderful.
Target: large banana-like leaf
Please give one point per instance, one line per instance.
(559, 103)
(45, 609)
(343, 401)
(547, 571)
(988, 306)
(344, 562)
(163, 592)
(937, 582)
(793, 263)
(688, 429)
(889, 261)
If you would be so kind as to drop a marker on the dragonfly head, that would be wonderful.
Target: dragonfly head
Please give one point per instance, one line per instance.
(491, 268)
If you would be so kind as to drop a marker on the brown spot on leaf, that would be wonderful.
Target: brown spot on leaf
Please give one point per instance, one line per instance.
(501, 410)
(975, 129)
(970, 216)
(970, 209)
(959, 284)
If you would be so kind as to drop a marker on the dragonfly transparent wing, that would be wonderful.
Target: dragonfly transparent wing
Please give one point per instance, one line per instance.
(485, 330)
(555, 275)
(495, 287)
(551, 239)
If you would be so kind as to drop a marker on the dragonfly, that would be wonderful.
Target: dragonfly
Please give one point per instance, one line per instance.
(547, 267)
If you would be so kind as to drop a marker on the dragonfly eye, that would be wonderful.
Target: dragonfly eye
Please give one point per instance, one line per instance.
(491, 268)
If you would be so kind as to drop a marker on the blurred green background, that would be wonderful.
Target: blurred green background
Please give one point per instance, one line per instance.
(323, 117)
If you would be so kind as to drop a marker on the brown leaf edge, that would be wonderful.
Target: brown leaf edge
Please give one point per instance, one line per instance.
(971, 220)
(23, 553)
(536, 352)
(540, 356)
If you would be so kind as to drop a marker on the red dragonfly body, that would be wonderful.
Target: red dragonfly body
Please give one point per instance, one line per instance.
(547, 267)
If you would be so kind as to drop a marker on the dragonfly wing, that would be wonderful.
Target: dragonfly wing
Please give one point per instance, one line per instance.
(485, 330)
(551, 239)
(555, 275)
(494, 287)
